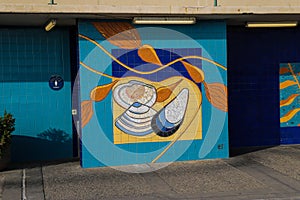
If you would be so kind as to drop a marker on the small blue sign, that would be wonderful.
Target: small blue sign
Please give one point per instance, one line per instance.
(56, 82)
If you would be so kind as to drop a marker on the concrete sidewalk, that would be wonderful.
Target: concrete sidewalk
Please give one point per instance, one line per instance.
(271, 173)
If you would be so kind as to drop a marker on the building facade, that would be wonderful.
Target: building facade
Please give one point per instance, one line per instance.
(120, 93)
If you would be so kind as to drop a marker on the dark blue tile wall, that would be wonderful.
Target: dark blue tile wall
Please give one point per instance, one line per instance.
(254, 56)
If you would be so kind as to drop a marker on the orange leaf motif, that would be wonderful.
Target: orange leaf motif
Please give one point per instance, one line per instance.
(163, 93)
(196, 73)
(288, 116)
(86, 112)
(148, 54)
(284, 70)
(287, 83)
(289, 100)
(121, 34)
(100, 92)
(216, 94)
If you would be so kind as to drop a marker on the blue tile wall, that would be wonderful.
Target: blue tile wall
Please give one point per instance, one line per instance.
(254, 57)
(28, 58)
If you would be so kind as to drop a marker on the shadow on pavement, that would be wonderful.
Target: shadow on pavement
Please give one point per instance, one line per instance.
(28, 165)
(244, 150)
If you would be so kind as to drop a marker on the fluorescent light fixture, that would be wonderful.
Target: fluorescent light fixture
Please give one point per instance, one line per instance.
(164, 20)
(50, 24)
(271, 24)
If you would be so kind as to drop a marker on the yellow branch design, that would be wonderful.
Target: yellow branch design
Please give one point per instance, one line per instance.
(152, 71)
(289, 115)
(97, 72)
(294, 75)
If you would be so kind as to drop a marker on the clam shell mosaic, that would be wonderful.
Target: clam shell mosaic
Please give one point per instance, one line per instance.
(139, 118)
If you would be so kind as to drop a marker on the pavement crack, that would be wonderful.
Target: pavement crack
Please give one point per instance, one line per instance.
(43, 185)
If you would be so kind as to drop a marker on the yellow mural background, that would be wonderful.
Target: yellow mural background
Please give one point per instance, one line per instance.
(191, 125)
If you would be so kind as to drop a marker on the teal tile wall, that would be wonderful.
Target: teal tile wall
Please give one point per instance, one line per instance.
(28, 58)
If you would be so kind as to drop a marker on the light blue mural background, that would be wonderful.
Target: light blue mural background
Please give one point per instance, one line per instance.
(98, 150)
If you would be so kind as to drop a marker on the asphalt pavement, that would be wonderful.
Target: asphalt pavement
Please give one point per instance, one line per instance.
(252, 173)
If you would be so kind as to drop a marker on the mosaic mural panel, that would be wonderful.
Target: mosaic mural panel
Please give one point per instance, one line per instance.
(289, 94)
(152, 94)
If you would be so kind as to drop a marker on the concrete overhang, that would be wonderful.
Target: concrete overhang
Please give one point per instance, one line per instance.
(66, 15)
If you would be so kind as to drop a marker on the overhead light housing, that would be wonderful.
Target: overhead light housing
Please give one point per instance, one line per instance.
(50, 24)
(271, 24)
(164, 20)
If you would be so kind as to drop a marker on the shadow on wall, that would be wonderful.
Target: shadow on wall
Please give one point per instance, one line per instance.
(51, 144)
(55, 135)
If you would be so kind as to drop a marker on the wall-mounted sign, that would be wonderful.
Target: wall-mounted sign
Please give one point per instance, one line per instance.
(56, 82)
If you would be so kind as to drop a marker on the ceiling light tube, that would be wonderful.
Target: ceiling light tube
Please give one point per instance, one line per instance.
(164, 20)
(271, 24)
(50, 25)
